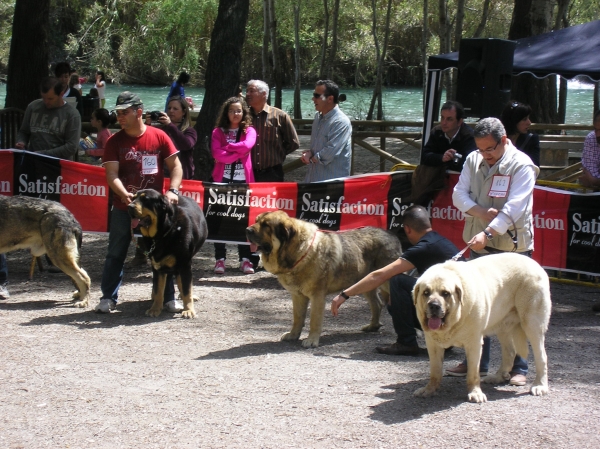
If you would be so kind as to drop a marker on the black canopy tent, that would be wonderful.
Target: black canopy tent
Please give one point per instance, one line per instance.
(568, 52)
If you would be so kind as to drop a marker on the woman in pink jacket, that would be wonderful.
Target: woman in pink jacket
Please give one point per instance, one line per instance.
(232, 141)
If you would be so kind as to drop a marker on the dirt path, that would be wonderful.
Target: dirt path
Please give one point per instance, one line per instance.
(75, 379)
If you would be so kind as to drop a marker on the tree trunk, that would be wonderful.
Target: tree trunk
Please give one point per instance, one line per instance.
(28, 59)
(562, 19)
(334, 39)
(562, 101)
(485, 13)
(424, 41)
(380, 61)
(222, 76)
(458, 31)
(297, 84)
(265, 48)
(325, 35)
(444, 34)
(530, 18)
(275, 52)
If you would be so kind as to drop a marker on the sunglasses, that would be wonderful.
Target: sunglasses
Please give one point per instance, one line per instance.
(317, 96)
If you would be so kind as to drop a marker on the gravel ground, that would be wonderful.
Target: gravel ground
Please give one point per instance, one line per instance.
(75, 379)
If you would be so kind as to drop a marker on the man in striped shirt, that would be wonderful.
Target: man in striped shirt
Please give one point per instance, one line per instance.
(275, 134)
(330, 138)
(590, 157)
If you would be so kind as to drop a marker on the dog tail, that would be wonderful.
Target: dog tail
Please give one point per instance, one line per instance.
(520, 341)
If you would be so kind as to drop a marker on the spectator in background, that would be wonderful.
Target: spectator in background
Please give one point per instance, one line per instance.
(100, 120)
(177, 88)
(590, 157)
(177, 124)
(330, 137)
(50, 126)
(62, 71)
(232, 140)
(74, 83)
(451, 141)
(100, 85)
(275, 134)
(515, 118)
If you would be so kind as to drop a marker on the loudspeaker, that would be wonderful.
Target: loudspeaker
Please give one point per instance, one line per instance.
(485, 75)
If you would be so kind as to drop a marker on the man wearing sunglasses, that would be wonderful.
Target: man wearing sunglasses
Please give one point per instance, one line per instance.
(330, 137)
(133, 159)
(495, 192)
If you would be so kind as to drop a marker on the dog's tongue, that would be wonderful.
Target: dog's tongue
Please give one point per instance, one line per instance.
(434, 323)
(253, 247)
(135, 222)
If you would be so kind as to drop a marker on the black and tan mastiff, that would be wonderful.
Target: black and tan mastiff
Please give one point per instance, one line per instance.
(173, 234)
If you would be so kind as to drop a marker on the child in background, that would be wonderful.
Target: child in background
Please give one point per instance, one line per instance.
(232, 140)
(100, 85)
(100, 120)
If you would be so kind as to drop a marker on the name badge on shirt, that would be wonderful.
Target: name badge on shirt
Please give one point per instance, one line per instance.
(149, 164)
(499, 188)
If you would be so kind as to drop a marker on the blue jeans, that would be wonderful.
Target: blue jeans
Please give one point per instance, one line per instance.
(119, 239)
(402, 309)
(3, 269)
(520, 364)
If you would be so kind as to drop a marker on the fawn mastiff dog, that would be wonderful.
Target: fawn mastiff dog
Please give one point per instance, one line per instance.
(311, 263)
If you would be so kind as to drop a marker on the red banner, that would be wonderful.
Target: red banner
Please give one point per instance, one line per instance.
(567, 225)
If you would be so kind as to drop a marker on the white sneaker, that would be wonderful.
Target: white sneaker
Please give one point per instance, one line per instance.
(246, 266)
(4, 292)
(220, 266)
(174, 306)
(105, 306)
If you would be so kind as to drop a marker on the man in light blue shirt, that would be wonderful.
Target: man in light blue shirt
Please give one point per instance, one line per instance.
(330, 138)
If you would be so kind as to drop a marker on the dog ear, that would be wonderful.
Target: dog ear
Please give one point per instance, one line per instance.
(166, 206)
(284, 233)
(459, 293)
(415, 294)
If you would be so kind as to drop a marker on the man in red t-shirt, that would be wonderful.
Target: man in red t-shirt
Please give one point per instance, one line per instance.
(134, 159)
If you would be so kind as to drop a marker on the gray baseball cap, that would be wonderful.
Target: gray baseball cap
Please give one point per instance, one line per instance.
(127, 99)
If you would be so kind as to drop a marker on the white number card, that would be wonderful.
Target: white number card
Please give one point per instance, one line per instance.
(149, 164)
(499, 188)
(500, 185)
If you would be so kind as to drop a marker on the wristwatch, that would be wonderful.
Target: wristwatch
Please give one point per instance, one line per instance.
(488, 234)
(175, 191)
(344, 295)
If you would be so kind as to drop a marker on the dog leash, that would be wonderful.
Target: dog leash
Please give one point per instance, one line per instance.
(459, 254)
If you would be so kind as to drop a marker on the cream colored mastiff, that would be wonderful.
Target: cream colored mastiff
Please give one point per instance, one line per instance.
(458, 303)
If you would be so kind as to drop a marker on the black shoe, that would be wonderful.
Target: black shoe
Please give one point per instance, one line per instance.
(398, 349)
(596, 307)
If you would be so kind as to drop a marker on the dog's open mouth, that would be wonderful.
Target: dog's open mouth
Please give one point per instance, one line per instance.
(144, 222)
(434, 322)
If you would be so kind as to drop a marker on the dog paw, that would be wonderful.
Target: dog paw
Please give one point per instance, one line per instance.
(425, 392)
(76, 294)
(82, 304)
(539, 390)
(153, 312)
(477, 396)
(310, 342)
(371, 328)
(290, 336)
(188, 314)
(494, 379)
